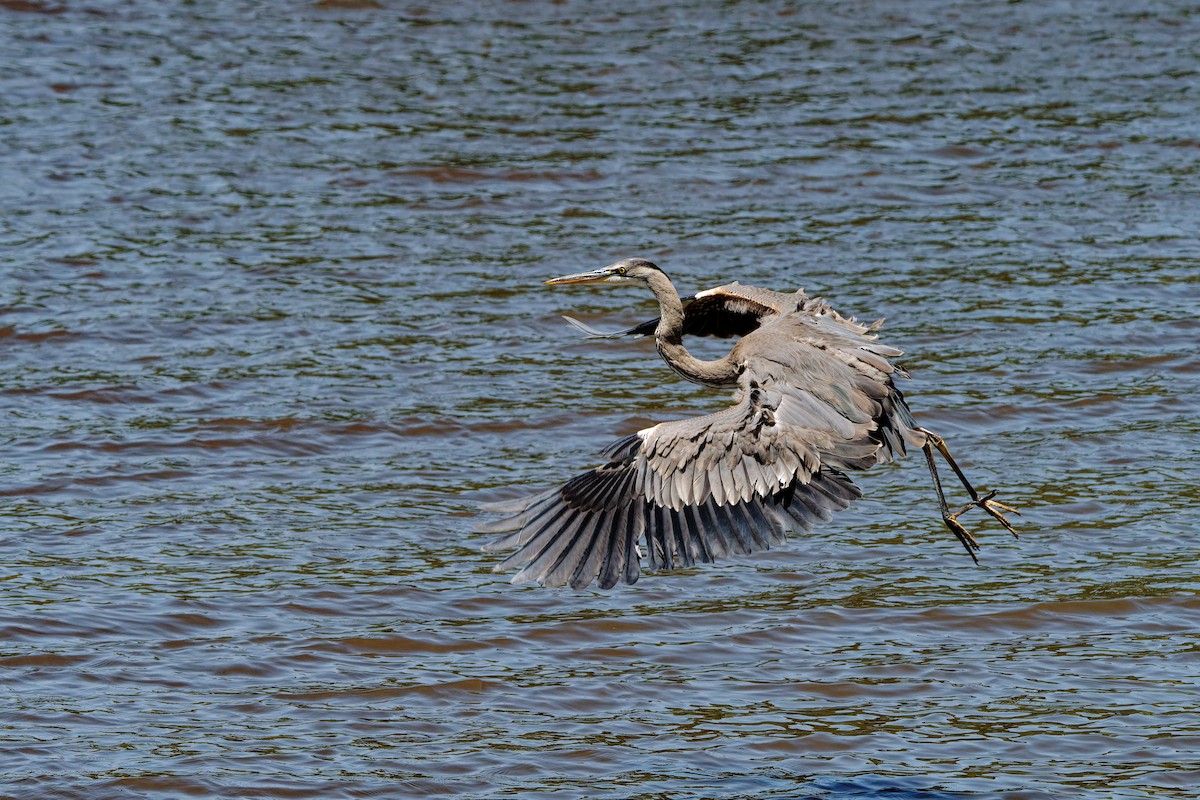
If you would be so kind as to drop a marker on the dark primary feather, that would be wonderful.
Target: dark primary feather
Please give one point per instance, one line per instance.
(724, 312)
(733, 310)
(815, 398)
(587, 530)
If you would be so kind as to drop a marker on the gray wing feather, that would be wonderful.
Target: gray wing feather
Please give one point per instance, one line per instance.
(816, 391)
(556, 545)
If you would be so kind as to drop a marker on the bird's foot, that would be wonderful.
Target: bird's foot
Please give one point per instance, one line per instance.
(993, 507)
(961, 533)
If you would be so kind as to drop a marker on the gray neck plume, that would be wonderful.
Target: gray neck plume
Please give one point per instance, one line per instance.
(668, 337)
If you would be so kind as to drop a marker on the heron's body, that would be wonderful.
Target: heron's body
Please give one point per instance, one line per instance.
(815, 398)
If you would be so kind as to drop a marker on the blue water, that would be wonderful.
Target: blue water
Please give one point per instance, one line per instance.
(272, 314)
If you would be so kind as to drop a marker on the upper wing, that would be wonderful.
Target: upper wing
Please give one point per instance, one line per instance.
(735, 310)
(816, 398)
(726, 311)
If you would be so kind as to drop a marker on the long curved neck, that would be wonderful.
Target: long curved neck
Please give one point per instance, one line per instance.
(668, 337)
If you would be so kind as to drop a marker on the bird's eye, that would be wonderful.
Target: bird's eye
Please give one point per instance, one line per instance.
(620, 270)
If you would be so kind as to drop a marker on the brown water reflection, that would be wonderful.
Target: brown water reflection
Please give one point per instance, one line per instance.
(273, 324)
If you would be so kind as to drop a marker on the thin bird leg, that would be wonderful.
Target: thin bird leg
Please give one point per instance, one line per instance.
(992, 507)
(951, 520)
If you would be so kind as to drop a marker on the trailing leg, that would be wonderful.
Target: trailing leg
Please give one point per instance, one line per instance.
(962, 534)
(992, 507)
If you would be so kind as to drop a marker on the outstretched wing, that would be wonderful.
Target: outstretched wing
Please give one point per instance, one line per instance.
(816, 398)
(589, 528)
(726, 311)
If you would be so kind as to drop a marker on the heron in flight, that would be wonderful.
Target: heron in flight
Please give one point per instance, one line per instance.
(815, 397)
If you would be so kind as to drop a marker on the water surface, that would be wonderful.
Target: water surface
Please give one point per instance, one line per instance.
(273, 324)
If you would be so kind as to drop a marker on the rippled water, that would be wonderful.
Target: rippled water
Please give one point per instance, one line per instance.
(273, 324)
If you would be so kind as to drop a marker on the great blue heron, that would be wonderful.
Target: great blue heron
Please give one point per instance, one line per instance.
(815, 398)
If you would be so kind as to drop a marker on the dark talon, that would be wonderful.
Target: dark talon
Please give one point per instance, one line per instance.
(963, 535)
(991, 506)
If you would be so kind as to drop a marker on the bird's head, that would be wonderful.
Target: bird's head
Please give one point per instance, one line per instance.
(629, 270)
